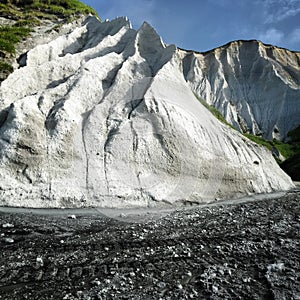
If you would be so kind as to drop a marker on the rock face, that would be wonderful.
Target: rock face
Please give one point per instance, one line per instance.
(104, 116)
(255, 86)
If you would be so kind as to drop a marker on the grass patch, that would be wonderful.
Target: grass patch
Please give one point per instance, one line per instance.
(48, 8)
(6, 68)
(214, 111)
(27, 14)
(286, 149)
(10, 11)
(43, 9)
(259, 140)
(11, 35)
(6, 46)
(27, 23)
(290, 150)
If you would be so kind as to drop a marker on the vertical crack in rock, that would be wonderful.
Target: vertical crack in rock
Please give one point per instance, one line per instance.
(134, 105)
(112, 131)
(49, 164)
(85, 117)
(136, 165)
(135, 145)
(138, 97)
(26, 175)
(158, 134)
(50, 121)
(163, 143)
(166, 110)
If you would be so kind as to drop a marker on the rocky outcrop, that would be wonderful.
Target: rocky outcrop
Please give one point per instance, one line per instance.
(104, 116)
(255, 86)
(45, 32)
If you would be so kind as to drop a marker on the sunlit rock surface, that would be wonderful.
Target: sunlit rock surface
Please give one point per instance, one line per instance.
(104, 116)
(255, 86)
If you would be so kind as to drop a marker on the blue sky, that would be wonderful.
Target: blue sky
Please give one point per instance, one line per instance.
(205, 24)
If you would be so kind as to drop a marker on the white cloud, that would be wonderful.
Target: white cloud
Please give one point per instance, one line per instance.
(271, 36)
(279, 10)
(294, 36)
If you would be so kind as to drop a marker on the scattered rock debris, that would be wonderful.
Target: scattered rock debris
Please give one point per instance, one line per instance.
(239, 251)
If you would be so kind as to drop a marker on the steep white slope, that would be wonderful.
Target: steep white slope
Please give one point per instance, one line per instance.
(111, 121)
(255, 86)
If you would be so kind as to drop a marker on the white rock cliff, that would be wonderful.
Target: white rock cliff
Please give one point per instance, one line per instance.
(104, 116)
(255, 86)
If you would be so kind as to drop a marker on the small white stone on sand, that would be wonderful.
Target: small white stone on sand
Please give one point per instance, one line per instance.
(8, 225)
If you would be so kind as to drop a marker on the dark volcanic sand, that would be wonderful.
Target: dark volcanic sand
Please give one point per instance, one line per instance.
(240, 251)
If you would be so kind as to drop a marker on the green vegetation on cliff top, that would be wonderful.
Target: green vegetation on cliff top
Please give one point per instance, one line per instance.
(10, 35)
(27, 14)
(27, 9)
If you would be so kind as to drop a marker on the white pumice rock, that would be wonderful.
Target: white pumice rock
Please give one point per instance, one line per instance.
(8, 225)
(104, 116)
(255, 86)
